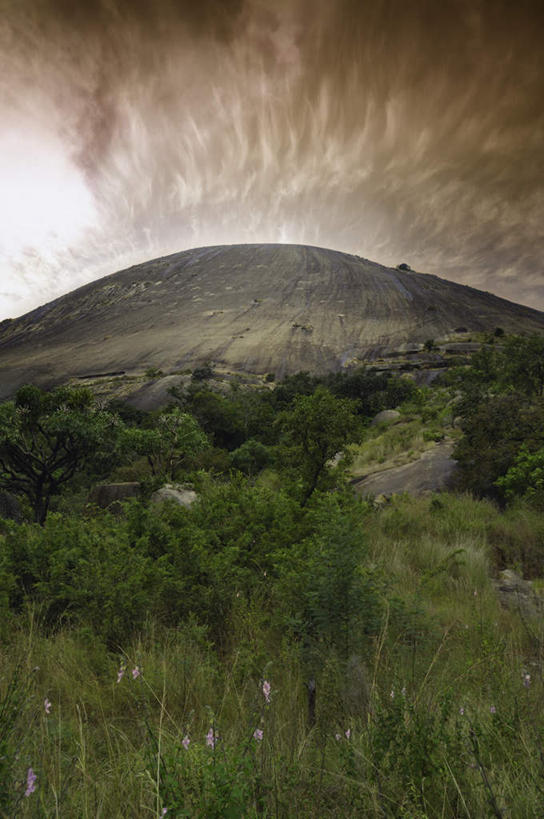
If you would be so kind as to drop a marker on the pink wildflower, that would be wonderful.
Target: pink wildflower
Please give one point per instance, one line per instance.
(526, 680)
(186, 742)
(211, 738)
(258, 734)
(120, 673)
(136, 672)
(47, 706)
(461, 710)
(348, 733)
(164, 811)
(338, 737)
(30, 782)
(492, 709)
(266, 690)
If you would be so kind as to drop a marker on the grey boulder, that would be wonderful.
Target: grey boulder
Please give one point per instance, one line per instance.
(182, 495)
(386, 417)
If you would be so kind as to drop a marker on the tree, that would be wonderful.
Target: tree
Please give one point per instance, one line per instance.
(47, 437)
(493, 435)
(314, 431)
(525, 478)
(524, 363)
(175, 435)
(251, 457)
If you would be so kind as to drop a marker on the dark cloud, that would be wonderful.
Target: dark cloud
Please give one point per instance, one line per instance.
(397, 130)
(210, 18)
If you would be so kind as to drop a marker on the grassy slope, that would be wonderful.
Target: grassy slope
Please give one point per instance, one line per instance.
(93, 754)
(422, 423)
(440, 722)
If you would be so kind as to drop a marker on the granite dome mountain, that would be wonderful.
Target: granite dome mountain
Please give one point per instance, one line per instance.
(248, 308)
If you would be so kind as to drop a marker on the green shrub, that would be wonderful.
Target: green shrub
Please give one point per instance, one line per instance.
(89, 575)
(203, 373)
(251, 457)
(525, 478)
(153, 372)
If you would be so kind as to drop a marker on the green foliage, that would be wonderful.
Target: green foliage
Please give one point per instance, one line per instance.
(302, 383)
(425, 693)
(15, 691)
(88, 575)
(153, 372)
(523, 358)
(313, 432)
(373, 391)
(502, 410)
(128, 414)
(167, 444)
(251, 457)
(516, 365)
(517, 539)
(46, 438)
(409, 743)
(203, 373)
(416, 709)
(208, 776)
(525, 478)
(330, 598)
(493, 435)
(219, 416)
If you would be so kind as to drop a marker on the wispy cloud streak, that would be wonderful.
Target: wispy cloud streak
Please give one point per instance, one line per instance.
(130, 129)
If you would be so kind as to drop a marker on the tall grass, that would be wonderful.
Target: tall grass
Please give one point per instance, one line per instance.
(434, 715)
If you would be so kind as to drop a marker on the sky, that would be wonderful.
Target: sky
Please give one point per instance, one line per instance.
(399, 130)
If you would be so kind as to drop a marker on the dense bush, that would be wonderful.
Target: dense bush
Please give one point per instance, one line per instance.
(282, 648)
(493, 436)
(525, 477)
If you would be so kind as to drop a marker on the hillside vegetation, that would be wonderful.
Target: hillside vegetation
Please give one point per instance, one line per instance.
(281, 647)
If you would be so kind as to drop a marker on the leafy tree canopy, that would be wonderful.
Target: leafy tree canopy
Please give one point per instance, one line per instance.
(45, 438)
(314, 431)
(175, 435)
(525, 478)
(493, 435)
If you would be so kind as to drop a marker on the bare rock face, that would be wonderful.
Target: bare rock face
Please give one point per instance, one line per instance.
(432, 472)
(248, 308)
(181, 495)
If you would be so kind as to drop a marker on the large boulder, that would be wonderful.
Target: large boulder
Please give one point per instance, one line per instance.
(182, 495)
(386, 417)
(110, 495)
(518, 594)
(433, 471)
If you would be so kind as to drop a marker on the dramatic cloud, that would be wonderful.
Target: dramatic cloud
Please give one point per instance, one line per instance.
(399, 131)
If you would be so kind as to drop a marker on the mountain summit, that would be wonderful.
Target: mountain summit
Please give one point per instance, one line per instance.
(251, 308)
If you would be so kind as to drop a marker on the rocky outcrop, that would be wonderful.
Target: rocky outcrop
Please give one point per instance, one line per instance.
(110, 495)
(182, 495)
(432, 472)
(386, 417)
(518, 594)
(250, 309)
